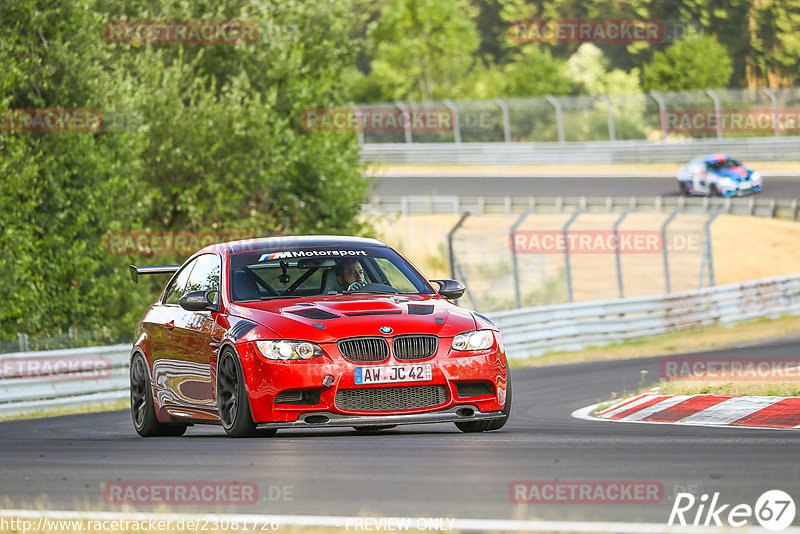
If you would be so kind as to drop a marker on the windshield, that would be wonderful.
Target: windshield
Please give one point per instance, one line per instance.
(319, 271)
(717, 165)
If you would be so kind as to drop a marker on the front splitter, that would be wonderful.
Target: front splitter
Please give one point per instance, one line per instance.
(456, 414)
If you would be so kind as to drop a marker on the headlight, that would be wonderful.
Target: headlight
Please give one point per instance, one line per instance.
(755, 177)
(289, 350)
(475, 340)
(726, 182)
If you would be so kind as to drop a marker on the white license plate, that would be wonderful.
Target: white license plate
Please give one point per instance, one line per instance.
(383, 374)
(745, 185)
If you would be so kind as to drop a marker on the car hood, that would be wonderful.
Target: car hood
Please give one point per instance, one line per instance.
(734, 173)
(327, 319)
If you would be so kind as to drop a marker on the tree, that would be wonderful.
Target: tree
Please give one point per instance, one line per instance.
(534, 72)
(423, 49)
(776, 45)
(729, 21)
(217, 142)
(60, 190)
(588, 70)
(694, 62)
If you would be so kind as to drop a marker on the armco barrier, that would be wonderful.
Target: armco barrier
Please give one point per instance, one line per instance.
(526, 332)
(32, 381)
(585, 153)
(534, 331)
(507, 205)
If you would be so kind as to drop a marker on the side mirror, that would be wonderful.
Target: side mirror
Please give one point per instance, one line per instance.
(198, 301)
(450, 289)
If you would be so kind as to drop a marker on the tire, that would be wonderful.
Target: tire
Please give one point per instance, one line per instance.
(494, 424)
(714, 191)
(143, 410)
(367, 430)
(682, 188)
(232, 400)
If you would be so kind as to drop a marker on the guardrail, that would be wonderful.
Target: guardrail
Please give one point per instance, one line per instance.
(532, 332)
(34, 381)
(480, 205)
(575, 153)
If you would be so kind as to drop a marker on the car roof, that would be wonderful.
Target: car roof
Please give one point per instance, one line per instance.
(290, 242)
(714, 157)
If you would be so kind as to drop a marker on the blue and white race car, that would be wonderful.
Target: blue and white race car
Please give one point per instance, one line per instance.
(718, 175)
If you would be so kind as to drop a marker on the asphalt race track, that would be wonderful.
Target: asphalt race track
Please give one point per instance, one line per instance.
(430, 470)
(775, 186)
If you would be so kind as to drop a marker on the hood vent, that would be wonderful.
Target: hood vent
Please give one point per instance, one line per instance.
(420, 309)
(361, 314)
(314, 313)
(241, 328)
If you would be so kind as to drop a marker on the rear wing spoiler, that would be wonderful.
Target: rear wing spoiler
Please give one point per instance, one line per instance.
(158, 269)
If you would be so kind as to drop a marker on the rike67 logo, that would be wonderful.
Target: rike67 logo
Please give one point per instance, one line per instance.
(774, 510)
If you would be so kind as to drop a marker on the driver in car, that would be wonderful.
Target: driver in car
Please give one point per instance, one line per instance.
(350, 275)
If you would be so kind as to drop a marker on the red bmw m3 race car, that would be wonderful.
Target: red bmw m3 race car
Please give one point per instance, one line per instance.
(312, 332)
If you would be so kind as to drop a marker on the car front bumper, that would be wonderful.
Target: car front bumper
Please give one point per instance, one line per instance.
(265, 379)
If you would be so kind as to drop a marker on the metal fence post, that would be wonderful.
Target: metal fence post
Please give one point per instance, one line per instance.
(506, 122)
(567, 269)
(513, 245)
(360, 128)
(717, 111)
(708, 256)
(559, 118)
(612, 131)
(616, 248)
(406, 120)
(774, 99)
(450, 235)
(23, 342)
(463, 277)
(456, 127)
(662, 113)
(664, 248)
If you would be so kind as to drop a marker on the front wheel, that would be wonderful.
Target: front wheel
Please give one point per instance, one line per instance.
(143, 410)
(494, 424)
(234, 406)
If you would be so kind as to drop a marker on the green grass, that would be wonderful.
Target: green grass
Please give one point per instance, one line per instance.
(105, 406)
(686, 341)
